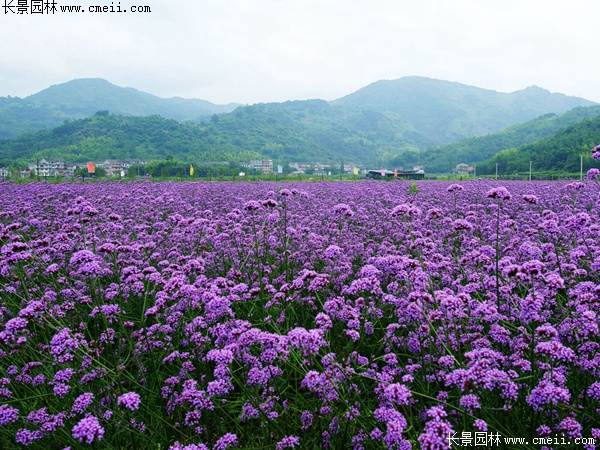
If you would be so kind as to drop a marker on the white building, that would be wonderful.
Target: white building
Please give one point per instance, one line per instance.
(48, 167)
(264, 165)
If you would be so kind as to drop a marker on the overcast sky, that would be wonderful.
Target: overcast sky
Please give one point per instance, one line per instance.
(251, 51)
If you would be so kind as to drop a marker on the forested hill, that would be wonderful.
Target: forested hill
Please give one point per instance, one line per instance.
(475, 150)
(104, 136)
(81, 98)
(274, 131)
(414, 111)
(386, 123)
(447, 111)
(560, 152)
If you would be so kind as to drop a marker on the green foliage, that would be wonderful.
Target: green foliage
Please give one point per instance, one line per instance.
(385, 123)
(81, 98)
(446, 112)
(560, 152)
(477, 149)
(413, 189)
(103, 137)
(100, 172)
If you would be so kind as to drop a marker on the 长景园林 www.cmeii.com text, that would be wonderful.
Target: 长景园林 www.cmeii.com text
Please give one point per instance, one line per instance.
(34, 7)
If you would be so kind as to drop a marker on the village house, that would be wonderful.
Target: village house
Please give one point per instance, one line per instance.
(74, 167)
(54, 167)
(320, 167)
(301, 167)
(264, 165)
(49, 167)
(349, 167)
(463, 169)
(127, 163)
(112, 166)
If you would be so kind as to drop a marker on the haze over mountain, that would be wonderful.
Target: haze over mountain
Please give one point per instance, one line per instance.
(447, 111)
(474, 150)
(387, 122)
(81, 98)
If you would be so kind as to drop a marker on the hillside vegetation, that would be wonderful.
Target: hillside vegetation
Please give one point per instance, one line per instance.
(389, 123)
(104, 136)
(476, 150)
(561, 152)
(81, 98)
(446, 111)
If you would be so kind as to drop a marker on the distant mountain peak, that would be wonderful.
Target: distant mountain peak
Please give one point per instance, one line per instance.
(408, 113)
(90, 87)
(534, 88)
(446, 111)
(82, 97)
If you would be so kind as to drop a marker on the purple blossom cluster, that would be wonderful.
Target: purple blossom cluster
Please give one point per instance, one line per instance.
(316, 315)
(130, 400)
(88, 430)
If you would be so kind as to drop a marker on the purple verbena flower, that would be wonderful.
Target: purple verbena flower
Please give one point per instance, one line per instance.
(454, 188)
(27, 437)
(571, 427)
(178, 446)
(82, 402)
(500, 193)
(228, 440)
(397, 393)
(437, 429)
(88, 429)
(288, 442)
(8, 414)
(548, 393)
(343, 210)
(129, 400)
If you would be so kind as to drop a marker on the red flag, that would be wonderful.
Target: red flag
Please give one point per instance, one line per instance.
(91, 167)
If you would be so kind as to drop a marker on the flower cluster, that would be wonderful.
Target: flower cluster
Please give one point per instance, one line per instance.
(321, 315)
(88, 430)
(130, 400)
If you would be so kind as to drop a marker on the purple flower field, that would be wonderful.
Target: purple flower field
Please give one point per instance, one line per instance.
(364, 315)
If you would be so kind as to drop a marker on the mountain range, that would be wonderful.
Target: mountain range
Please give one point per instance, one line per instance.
(447, 111)
(82, 98)
(411, 120)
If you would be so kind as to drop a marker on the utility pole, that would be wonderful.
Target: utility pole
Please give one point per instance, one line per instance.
(529, 170)
(496, 171)
(581, 168)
